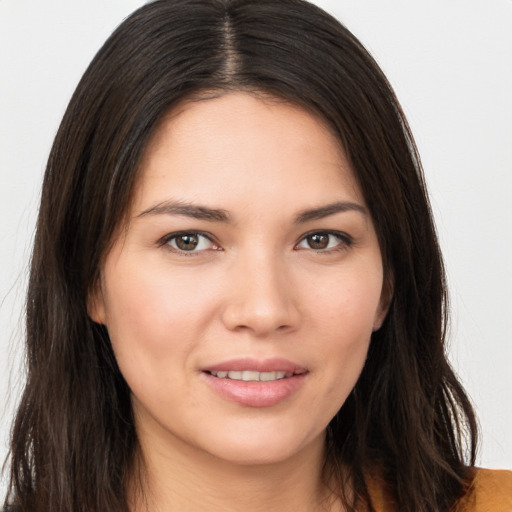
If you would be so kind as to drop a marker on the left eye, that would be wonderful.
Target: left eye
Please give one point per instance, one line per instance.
(322, 241)
(189, 242)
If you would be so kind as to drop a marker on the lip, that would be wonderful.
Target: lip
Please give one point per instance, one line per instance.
(256, 394)
(257, 365)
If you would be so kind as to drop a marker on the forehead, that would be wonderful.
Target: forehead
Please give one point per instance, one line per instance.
(245, 146)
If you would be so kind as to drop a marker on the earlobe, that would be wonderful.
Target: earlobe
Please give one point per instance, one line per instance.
(96, 304)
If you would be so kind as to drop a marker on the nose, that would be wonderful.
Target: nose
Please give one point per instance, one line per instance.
(260, 299)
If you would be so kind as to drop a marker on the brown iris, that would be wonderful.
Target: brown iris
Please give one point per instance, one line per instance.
(318, 240)
(187, 242)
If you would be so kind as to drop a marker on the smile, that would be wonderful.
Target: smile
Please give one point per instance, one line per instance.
(256, 383)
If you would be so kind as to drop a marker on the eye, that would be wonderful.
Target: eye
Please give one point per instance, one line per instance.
(189, 242)
(325, 241)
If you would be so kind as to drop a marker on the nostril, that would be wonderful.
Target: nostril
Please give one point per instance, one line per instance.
(258, 321)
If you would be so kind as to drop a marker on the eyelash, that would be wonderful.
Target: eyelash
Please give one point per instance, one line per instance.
(344, 242)
(167, 239)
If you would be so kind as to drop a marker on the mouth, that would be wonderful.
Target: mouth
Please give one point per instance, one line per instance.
(256, 383)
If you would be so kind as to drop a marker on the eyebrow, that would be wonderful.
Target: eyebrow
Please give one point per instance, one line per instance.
(327, 210)
(187, 210)
(219, 215)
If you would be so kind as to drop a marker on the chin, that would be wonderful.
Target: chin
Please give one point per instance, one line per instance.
(263, 448)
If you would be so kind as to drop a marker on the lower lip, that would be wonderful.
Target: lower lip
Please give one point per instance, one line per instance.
(256, 394)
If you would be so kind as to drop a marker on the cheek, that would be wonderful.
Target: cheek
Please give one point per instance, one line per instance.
(348, 303)
(343, 316)
(153, 298)
(154, 320)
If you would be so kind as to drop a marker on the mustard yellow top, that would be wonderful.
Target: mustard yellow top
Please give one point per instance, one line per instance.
(491, 491)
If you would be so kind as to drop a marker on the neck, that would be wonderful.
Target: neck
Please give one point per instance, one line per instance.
(175, 476)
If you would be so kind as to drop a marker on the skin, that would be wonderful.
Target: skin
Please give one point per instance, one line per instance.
(253, 287)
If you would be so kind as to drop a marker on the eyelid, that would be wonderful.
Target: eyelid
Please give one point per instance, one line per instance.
(164, 241)
(345, 239)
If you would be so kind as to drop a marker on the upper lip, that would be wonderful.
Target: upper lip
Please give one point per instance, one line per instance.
(256, 365)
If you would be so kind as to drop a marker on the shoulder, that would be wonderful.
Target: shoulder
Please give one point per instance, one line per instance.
(491, 491)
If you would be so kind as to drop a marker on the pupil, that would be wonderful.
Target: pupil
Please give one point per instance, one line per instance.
(318, 241)
(187, 242)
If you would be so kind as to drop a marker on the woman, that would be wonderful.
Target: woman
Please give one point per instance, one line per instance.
(237, 297)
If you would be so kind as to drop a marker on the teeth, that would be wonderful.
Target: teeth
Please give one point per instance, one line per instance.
(252, 376)
(247, 375)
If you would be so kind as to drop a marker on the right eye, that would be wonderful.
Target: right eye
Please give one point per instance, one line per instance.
(188, 242)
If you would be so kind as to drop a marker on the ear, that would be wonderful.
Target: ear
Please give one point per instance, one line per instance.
(96, 304)
(385, 302)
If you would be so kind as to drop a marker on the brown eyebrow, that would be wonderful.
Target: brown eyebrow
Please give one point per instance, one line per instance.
(330, 209)
(219, 215)
(188, 210)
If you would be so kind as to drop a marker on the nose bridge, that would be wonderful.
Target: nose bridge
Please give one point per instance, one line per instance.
(260, 298)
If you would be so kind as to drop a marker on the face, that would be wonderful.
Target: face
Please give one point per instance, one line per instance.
(241, 297)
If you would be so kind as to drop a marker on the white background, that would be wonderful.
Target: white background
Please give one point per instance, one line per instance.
(450, 62)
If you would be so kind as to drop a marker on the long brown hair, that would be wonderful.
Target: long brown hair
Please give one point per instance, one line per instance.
(408, 418)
